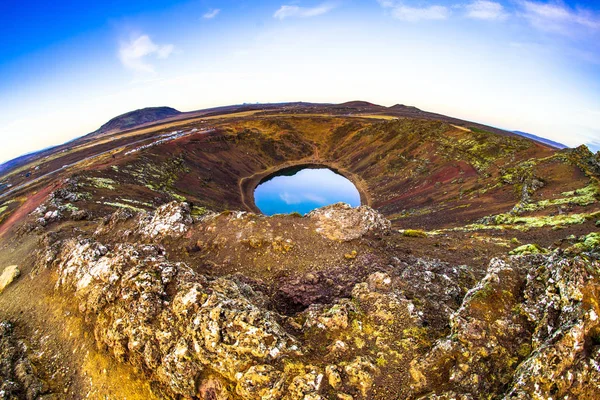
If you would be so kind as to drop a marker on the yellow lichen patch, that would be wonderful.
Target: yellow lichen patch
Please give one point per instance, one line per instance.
(109, 379)
(351, 255)
(282, 246)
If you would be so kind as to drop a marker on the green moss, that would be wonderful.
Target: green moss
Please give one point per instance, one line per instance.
(414, 233)
(525, 223)
(528, 249)
(137, 202)
(581, 197)
(524, 350)
(177, 196)
(415, 332)
(70, 207)
(198, 211)
(101, 183)
(590, 242)
(381, 362)
(158, 177)
(121, 205)
(486, 291)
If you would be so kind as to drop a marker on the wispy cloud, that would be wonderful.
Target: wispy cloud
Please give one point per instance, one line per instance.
(288, 11)
(212, 13)
(414, 14)
(486, 10)
(135, 52)
(559, 18)
(315, 198)
(290, 199)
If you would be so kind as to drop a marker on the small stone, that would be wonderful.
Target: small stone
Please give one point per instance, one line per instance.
(333, 376)
(379, 281)
(9, 274)
(311, 278)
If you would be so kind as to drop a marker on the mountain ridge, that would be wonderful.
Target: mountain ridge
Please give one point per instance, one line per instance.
(150, 116)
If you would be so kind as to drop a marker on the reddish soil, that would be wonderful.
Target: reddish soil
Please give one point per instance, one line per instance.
(33, 201)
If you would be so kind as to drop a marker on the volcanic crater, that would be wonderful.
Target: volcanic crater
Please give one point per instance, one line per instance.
(140, 266)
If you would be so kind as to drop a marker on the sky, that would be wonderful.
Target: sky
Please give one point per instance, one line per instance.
(66, 67)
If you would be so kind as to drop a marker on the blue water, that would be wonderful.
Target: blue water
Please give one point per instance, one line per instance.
(302, 190)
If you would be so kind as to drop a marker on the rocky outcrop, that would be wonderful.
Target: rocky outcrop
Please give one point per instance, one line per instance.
(342, 222)
(526, 327)
(171, 219)
(561, 300)
(166, 319)
(192, 334)
(531, 324)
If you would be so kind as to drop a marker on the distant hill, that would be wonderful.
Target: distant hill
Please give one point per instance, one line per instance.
(138, 117)
(402, 107)
(358, 103)
(541, 140)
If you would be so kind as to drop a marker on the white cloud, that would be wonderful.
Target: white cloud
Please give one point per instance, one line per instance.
(303, 12)
(290, 199)
(486, 10)
(559, 18)
(133, 54)
(211, 14)
(414, 14)
(315, 198)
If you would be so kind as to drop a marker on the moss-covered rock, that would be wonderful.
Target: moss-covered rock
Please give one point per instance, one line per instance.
(414, 233)
(527, 249)
(587, 243)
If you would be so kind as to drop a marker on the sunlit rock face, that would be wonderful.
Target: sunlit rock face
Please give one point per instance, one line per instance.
(343, 222)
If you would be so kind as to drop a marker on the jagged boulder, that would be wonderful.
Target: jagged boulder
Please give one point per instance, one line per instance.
(342, 222)
(171, 219)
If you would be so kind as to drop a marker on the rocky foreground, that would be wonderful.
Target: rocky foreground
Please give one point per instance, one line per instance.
(525, 327)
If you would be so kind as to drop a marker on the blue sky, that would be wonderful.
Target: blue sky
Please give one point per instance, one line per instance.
(67, 67)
